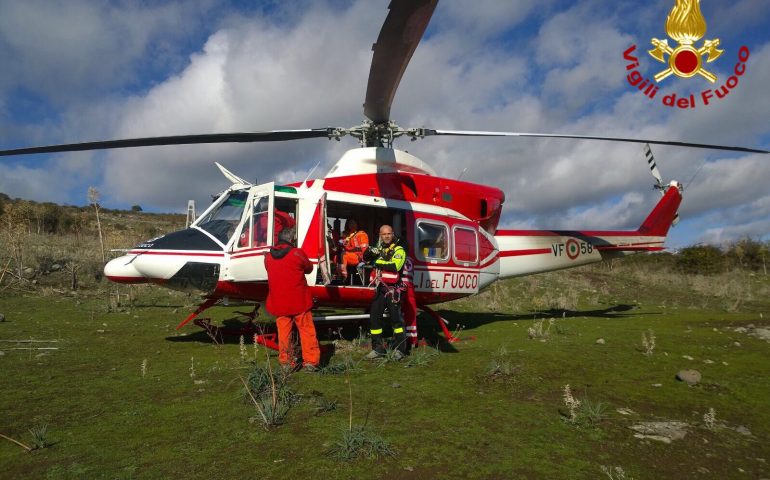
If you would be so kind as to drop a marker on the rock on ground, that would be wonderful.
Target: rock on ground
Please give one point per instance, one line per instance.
(690, 377)
(665, 432)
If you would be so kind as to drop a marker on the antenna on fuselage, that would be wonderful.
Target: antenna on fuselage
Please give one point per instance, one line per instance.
(231, 176)
(310, 172)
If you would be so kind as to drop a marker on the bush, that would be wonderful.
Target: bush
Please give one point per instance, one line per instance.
(748, 254)
(701, 259)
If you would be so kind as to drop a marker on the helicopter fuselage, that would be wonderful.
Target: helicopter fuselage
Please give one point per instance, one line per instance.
(448, 226)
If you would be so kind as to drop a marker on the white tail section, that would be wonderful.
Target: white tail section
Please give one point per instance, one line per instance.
(523, 252)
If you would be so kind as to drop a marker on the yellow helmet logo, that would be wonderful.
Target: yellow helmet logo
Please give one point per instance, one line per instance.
(685, 25)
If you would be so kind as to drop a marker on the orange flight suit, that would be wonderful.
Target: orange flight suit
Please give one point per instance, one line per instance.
(354, 245)
(289, 299)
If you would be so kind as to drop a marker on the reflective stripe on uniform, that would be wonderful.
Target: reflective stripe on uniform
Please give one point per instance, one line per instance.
(411, 331)
(396, 330)
(406, 272)
(389, 277)
(376, 331)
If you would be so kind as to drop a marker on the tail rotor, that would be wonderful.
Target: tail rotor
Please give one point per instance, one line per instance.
(659, 185)
(653, 167)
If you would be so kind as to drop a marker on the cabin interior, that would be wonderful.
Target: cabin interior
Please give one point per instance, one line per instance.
(369, 219)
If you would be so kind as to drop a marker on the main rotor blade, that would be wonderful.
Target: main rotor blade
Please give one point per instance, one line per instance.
(470, 133)
(243, 137)
(400, 34)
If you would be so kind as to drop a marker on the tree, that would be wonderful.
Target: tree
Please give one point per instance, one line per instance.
(748, 254)
(136, 208)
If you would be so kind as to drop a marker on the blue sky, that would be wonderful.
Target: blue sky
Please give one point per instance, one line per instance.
(80, 70)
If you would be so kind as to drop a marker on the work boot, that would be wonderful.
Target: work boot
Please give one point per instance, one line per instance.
(399, 341)
(310, 368)
(378, 344)
(373, 355)
(397, 355)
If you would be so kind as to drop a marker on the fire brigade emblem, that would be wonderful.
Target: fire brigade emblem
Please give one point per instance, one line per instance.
(685, 25)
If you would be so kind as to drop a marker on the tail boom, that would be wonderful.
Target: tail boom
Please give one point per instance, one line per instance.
(523, 252)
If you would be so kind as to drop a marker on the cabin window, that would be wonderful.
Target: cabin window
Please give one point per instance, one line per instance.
(254, 233)
(222, 221)
(466, 249)
(432, 241)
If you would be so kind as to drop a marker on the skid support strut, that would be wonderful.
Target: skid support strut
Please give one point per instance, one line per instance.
(270, 340)
(442, 323)
(210, 302)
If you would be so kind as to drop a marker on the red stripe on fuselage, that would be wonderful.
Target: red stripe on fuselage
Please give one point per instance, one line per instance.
(630, 248)
(517, 253)
(326, 295)
(565, 233)
(128, 279)
(250, 254)
(184, 254)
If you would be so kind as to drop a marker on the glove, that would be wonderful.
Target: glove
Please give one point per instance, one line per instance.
(371, 254)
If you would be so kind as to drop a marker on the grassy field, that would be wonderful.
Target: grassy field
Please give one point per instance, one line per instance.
(126, 396)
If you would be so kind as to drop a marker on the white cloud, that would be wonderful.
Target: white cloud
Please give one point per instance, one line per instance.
(307, 67)
(76, 49)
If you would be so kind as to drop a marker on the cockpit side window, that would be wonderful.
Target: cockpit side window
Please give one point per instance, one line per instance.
(223, 220)
(432, 241)
(255, 229)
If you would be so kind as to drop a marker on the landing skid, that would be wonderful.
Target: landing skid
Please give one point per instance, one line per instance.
(265, 334)
(216, 333)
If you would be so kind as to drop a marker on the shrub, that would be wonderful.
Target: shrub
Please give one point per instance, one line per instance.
(358, 441)
(748, 254)
(703, 259)
(270, 393)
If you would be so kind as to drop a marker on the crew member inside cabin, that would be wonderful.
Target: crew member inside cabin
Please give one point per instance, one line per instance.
(281, 221)
(353, 243)
(289, 299)
(388, 260)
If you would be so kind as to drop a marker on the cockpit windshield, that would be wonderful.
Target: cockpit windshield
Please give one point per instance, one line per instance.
(224, 219)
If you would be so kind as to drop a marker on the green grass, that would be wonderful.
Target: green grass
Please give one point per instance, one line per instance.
(443, 418)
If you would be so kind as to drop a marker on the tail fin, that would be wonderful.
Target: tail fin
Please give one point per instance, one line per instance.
(664, 214)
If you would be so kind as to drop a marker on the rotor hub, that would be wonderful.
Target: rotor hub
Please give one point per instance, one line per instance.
(370, 134)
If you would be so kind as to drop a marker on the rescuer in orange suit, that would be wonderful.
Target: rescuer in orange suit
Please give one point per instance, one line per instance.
(354, 243)
(289, 299)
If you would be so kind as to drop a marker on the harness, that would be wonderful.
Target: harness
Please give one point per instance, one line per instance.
(388, 282)
(351, 239)
(353, 244)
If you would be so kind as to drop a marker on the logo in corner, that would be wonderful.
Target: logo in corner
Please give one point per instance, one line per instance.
(685, 25)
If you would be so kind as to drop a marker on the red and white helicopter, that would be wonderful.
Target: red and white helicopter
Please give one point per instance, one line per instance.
(450, 226)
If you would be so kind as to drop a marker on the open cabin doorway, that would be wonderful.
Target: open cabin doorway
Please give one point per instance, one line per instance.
(369, 220)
